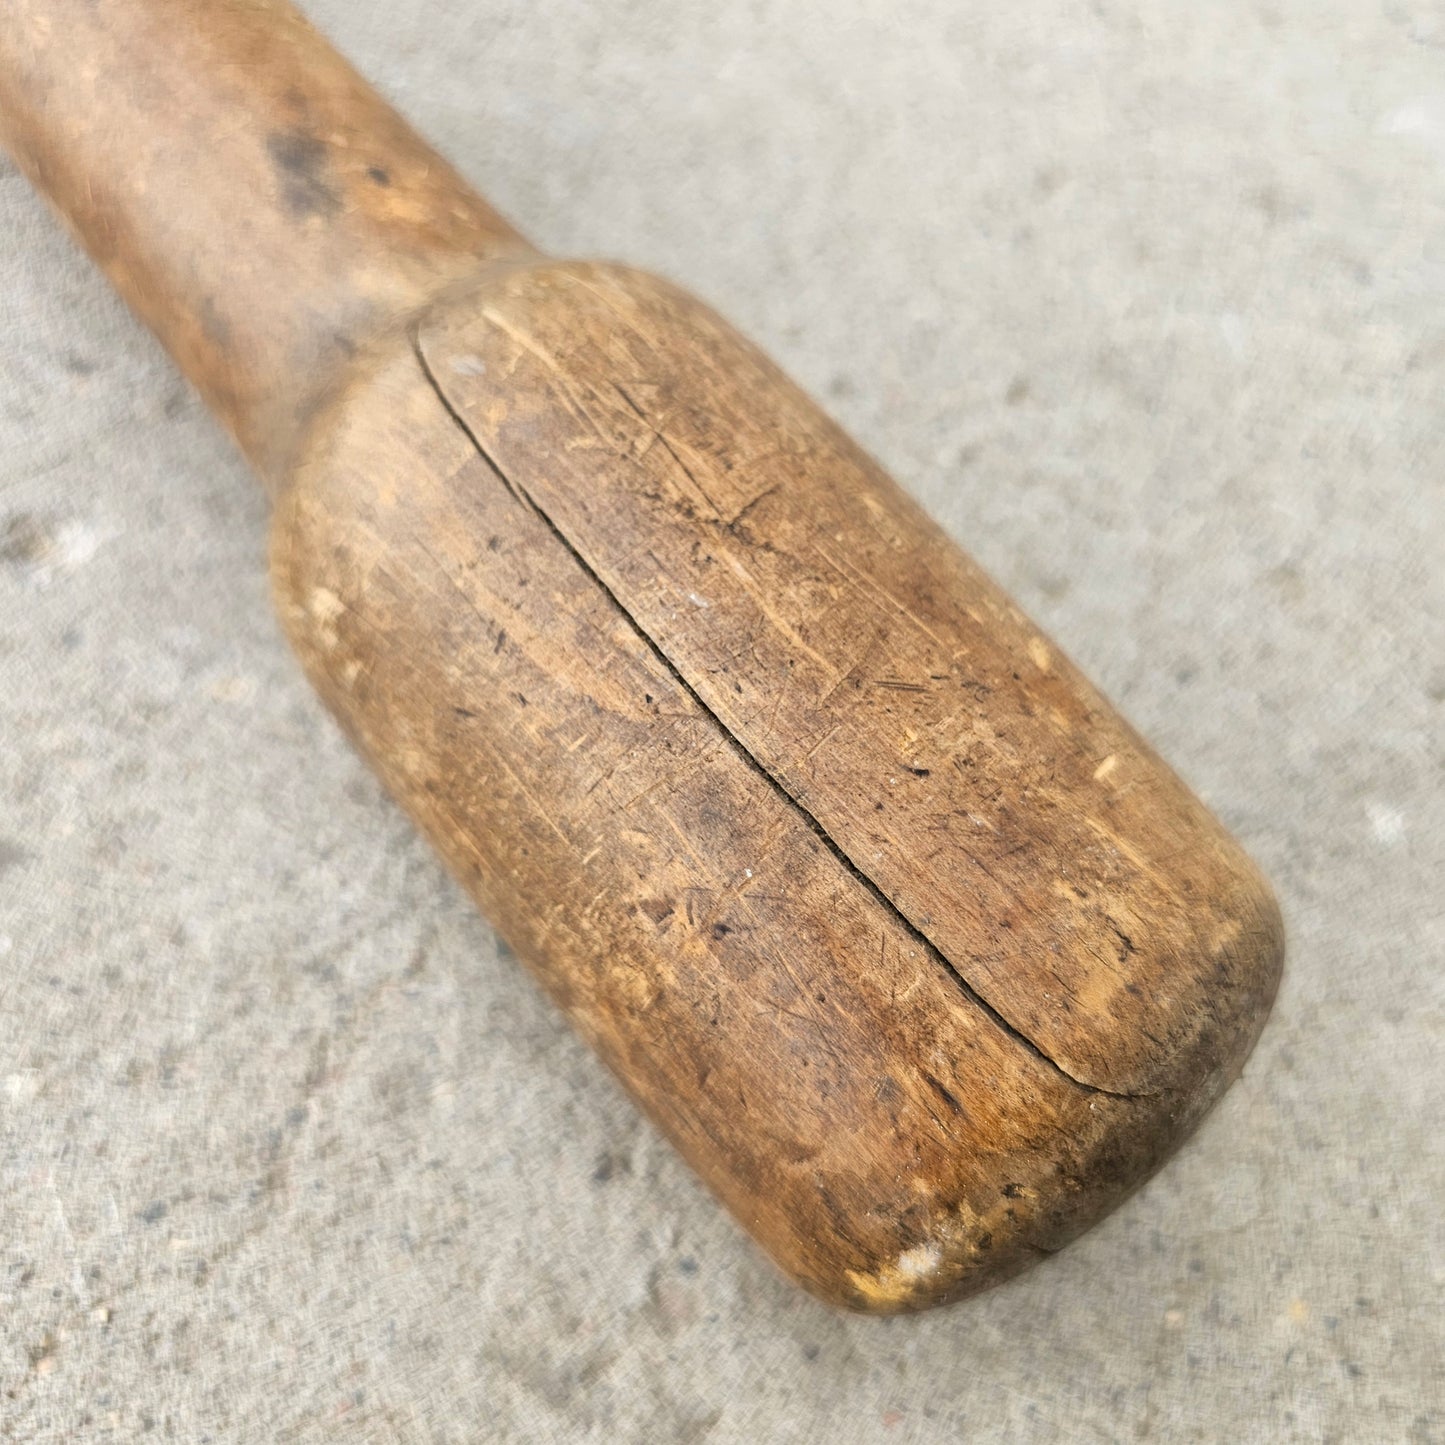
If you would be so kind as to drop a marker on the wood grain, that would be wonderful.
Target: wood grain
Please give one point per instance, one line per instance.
(955, 757)
(862, 1115)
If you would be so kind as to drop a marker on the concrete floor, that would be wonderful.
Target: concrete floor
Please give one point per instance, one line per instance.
(1148, 304)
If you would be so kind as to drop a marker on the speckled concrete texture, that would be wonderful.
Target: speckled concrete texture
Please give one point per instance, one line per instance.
(1147, 302)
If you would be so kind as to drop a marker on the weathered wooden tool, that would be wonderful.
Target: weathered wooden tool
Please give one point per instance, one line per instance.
(916, 951)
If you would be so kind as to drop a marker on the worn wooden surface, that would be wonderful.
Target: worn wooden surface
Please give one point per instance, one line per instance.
(250, 195)
(876, 907)
(948, 750)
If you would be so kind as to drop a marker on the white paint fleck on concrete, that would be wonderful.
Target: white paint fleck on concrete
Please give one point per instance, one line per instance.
(1387, 823)
(1421, 119)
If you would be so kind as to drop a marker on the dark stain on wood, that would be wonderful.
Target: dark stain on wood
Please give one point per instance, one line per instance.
(302, 166)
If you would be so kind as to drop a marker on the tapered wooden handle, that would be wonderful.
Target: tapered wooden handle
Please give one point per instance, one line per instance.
(913, 947)
(245, 190)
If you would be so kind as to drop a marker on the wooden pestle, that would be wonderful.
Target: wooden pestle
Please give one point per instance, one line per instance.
(916, 951)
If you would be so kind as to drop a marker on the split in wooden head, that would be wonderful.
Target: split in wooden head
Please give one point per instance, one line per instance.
(916, 951)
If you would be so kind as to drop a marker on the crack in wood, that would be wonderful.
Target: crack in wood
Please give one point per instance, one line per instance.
(929, 948)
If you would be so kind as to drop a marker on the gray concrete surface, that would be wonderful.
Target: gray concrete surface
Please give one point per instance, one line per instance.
(1148, 303)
